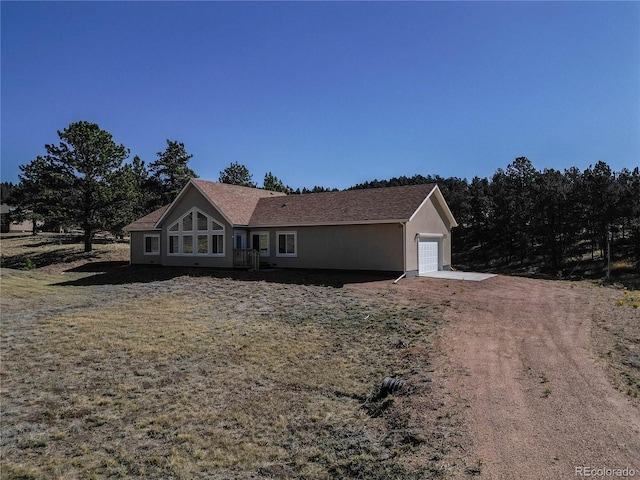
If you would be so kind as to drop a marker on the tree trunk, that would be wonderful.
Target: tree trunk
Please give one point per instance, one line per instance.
(87, 242)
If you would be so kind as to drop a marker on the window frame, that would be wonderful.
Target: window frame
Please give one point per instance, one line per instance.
(144, 243)
(214, 229)
(295, 244)
(261, 233)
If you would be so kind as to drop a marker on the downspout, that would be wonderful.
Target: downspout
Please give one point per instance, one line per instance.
(400, 278)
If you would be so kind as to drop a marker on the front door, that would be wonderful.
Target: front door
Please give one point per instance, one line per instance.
(239, 239)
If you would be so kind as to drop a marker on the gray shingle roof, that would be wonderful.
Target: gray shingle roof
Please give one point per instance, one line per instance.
(148, 222)
(235, 202)
(348, 206)
(262, 208)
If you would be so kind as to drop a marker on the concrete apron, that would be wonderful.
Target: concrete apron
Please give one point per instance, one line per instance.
(455, 275)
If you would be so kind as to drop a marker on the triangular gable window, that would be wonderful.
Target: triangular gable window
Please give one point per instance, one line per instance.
(196, 234)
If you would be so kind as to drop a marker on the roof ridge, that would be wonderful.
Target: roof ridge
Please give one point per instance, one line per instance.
(234, 186)
(369, 205)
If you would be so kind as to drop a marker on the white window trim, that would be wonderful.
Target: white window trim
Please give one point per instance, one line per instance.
(295, 244)
(265, 233)
(211, 244)
(144, 243)
(194, 232)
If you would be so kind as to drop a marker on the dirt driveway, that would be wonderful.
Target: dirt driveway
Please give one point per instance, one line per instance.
(538, 399)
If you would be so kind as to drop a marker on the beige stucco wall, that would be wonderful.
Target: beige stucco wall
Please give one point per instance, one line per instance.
(137, 249)
(428, 220)
(191, 198)
(350, 247)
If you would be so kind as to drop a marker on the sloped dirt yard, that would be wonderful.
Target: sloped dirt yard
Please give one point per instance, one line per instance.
(111, 371)
(549, 373)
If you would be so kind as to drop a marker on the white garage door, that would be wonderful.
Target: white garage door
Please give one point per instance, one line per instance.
(427, 256)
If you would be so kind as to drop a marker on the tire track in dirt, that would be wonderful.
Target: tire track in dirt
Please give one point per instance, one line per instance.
(539, 404)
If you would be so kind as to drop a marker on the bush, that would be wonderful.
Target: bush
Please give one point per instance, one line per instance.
(29, 264)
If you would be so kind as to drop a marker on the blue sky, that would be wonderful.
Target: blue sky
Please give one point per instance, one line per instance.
(329, 93)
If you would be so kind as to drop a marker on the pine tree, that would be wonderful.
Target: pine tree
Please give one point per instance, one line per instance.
(75, 183)
(237, 174)
(169, 174)
(274, 184)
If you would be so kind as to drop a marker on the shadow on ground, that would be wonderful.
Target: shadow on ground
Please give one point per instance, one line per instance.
(44, 259)
(121, 273)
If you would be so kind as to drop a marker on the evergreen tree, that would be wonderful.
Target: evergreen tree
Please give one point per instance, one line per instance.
(502, 227)
(169, 174)
(34, 196)
(550, 214)
(237, 174)
(318, 189)
(520, 189)
(575, 214)
(632, 197)
(6, 191)
(600, 200)
(75, 182)
(130, 194)
(480, 204)
(274, 184)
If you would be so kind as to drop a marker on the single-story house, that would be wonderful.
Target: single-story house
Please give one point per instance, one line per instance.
(396, 229)
(9, 226)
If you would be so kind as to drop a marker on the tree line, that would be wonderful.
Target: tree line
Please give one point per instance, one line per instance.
(6, 190)
(520, 216)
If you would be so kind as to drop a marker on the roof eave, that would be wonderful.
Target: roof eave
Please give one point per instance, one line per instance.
(327, 224)
(140, 229)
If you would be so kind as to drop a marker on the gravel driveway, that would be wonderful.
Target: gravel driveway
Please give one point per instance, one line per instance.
(541, 402)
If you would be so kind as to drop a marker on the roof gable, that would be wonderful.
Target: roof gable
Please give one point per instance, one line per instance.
(375, 205)
(235, 203)
(437, 197)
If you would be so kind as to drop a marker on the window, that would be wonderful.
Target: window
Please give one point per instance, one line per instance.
(187, 244)
(152, 244)
(217, 244)
(203, 222)
(196, 233)
(260, 242)
(174, 244)
(203, 244)
(287, 244)
(187, 222)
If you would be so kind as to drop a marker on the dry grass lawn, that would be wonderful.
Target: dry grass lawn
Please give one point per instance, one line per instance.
(110, 371)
